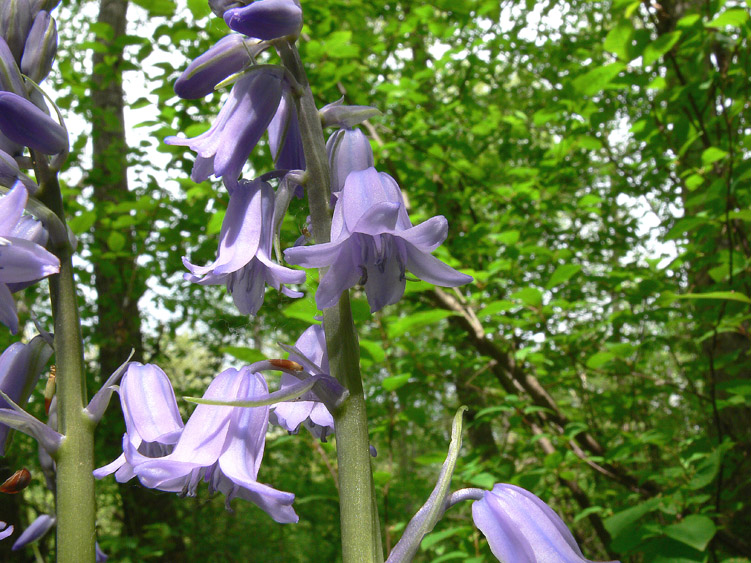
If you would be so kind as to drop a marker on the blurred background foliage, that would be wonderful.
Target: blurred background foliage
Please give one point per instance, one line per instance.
(592, 159)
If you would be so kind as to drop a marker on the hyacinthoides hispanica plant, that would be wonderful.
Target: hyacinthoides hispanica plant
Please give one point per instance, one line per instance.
(361, 236)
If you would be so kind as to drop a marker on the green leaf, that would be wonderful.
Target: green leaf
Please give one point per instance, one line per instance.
(735, 17)
(621, 521)
(83, 222)
(395, 381)
(695, 530)
(600, 359)
(496, 307)
(595, 80)
(660, 46)
(729, 295)
(530, 296)
(373, 350)
(115, 241)
(562, 274)
(706, 471)
(247, 355)
(416, 321)
(304, 309)
(164, 8)
(199, 8)
(618, 39)
(712, 154)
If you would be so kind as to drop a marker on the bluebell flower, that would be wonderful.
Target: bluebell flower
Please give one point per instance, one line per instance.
(15, 21)
(266, 19)
(152, 420)
(308, 411)
(20, 368)
(521, 528)
(40, 47)
(243, 262)
(223, 446)
(373, 243)
(224, 148)
(21, 260)
(5, 530)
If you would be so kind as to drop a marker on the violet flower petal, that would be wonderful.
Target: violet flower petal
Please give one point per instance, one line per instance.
(5, 530)
(38, 528)
(522, 528)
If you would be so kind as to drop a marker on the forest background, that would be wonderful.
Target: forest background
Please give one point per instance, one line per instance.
(592, 159)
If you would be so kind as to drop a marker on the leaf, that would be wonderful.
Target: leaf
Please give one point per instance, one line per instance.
(618, 39)
(83, 222)
(164, 8)
(712, 154)
(115, 241)
(562, 274)
(599, 359)
(373, 350)
(695, 530)
(595, 80)
(729, 295)
(199, 8)
(496, 307)
(395, 381)
(621, 521)
(417, 320)
(304, 309)
(735, 17)
(247, 355)
(660, 46)
(706, 471)
(530, 296)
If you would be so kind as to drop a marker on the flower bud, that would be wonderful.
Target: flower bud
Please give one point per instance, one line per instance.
(10, 77)
(221, 6)
(230, 55)
(24, 123)
(15, 22)
(348, 151)
(20, 368)
(40, 48)
(10, 172)
(266, 19)
(46, 5)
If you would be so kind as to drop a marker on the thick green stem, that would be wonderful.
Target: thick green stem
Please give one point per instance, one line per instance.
(361, 541)
(75, 502)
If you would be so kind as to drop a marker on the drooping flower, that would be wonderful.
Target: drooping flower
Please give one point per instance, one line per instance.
(21, 260)
(311, 413)
(243, 261)
(373, 243)
(348, 151)
(223, 446)
(266, 19)
(229, 55)
(20, 368)
(224, 148)
(521, 528)
(152, 420)
(24, 123)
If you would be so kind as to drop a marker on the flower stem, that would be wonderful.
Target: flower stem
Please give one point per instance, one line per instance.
(75, 503)
(360, 528)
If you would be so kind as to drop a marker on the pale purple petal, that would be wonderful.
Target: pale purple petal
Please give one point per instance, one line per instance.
(5, 530)
(24, 123)
(23, 261)
(149, 404)
(35, 531)
(11, 208)
(432, 270)
(8, 313)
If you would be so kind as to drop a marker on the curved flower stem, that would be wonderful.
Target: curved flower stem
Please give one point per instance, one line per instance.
(360, 528)
(76, 508)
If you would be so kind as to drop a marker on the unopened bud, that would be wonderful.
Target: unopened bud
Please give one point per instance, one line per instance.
(15, 22)
(41, 47)
(10, 75)
(348, 151)
(230, 55)
(266, 19)
(22, 122)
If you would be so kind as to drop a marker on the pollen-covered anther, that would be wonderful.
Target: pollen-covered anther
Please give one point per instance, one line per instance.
(286, 364)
